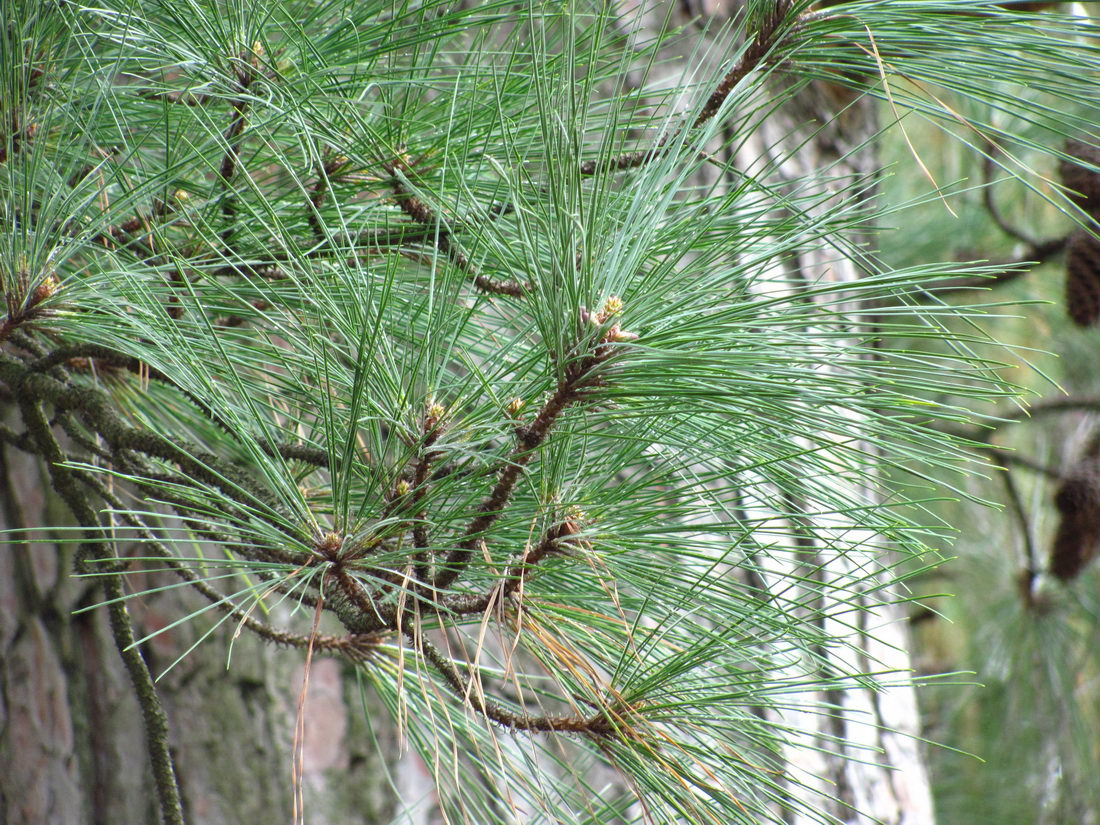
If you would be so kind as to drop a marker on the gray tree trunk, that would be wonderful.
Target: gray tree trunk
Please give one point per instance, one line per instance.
(857, 757)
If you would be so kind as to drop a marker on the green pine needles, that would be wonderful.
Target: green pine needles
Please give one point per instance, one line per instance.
(497, 350)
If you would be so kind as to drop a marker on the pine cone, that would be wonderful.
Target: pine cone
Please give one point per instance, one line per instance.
(1083, 279)
(1078, 536)
(1085, 182)
(1080, 491)
(1074, 547)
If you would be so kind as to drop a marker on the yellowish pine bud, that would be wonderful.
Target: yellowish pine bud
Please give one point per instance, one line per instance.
(611, 307)
(575, 513)
(45, 289)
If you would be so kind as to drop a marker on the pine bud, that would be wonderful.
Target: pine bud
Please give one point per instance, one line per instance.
(515, 407)
(433, 416)
(329, 544)
(620, 336)
(611, 307)
(45, 289)
(572, 524)
(401, 488)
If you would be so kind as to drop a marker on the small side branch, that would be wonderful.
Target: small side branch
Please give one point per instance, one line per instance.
(24, 309)
(1012, 270)
(578, 379)
(554, 540)
(422, 213)
(988, 167)
(246, 71)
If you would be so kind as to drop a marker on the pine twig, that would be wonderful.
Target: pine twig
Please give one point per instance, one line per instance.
(553, 541)
(152, 712)
(579, 377)
(423, 214)
(595, 726)
(1012, 270)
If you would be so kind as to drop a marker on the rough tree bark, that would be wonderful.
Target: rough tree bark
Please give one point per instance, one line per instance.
(71, 739)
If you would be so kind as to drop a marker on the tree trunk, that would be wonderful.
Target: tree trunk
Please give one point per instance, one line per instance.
(857, 757)
(71, 738)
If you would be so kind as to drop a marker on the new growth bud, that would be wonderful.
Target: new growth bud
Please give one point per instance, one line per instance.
(433, 415)
(44, 290)
(611, 307)
(574, 520)
(515, 407)
(330, 544)
(619, 335)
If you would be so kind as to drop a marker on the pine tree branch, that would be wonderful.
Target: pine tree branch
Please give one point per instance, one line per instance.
(431, 429)
(1012, 270)
(95, 409)
(246, 71)
(1016, 505)
(990, 201)
(22, 310)
(219, 600)
(579, 377)
(554, 541)
(1038, 409)
(317, 196)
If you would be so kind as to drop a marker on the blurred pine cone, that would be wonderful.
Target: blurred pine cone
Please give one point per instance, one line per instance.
(1083, 279)
(1085, 182)
(1078, 536)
